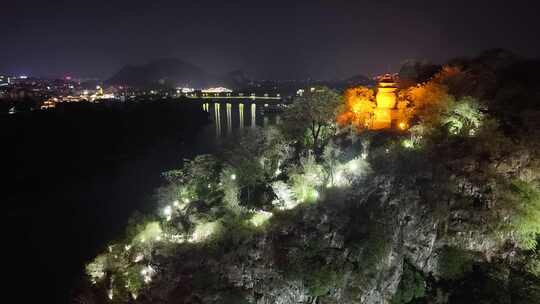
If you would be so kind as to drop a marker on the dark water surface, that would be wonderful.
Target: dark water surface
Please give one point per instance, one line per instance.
(72, 178)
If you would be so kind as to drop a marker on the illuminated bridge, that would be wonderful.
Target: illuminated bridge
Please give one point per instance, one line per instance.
(236, 110)
(239, 97)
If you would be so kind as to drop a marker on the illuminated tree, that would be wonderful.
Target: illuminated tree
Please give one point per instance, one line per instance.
(358, 108)
(330, 158)
(306, 178)
(463, 116)
(426, 98)
(314, 112)
(254, 159)
(197, 179)
(231, 190)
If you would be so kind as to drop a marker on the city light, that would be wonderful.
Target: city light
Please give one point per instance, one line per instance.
(216, 90)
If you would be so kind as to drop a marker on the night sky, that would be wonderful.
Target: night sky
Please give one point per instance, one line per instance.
(268, 39)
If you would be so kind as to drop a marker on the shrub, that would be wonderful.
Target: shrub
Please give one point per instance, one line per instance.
(412, 285)
(525, 220)
(320, 281)
(454, 263)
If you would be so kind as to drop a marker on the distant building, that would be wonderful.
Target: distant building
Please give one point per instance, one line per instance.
(49, 104)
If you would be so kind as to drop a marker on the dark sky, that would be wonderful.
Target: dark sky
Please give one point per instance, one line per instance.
(269, 39)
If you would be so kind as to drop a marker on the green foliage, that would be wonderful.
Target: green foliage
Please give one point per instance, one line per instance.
(199, 177)
(376, 247)
(320, 281)
(533, 266)
(454, 263)
(518, 212)
(306, 178)
(313, 112)
(231, 190)
(256, 159)
(525, 220)
(325, 132)
(209, 284)
(97, 269)
(330, 157)
(137, 223)
(463, 117)
(369, 238)
(133, 281)
(412, 285)
(151, 232)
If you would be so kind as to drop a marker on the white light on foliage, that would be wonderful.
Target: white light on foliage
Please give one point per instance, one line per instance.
(139, 257)
(260, 217)
(147, 273)
(177, 238)
(285, 199)
(407, 143)
(167, 211)
(204, 231)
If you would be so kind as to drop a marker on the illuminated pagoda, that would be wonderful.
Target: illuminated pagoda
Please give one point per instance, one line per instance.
(385, 114)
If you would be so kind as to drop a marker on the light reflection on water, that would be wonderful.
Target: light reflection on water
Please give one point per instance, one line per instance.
(229, 119)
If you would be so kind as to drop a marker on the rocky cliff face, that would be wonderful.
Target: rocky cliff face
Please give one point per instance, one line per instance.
(346, 251)
(352, 246)
(350, 251)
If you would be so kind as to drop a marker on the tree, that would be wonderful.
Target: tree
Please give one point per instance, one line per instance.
(254, 159)
(313, 113)
(463, 116)
(415, 71)
(358, 108)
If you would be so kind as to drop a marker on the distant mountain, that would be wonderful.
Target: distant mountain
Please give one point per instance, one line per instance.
(168, 72)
